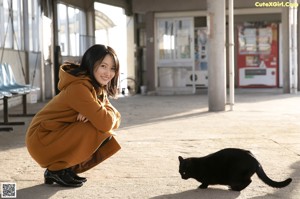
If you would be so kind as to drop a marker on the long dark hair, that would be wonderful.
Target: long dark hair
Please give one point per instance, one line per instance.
(93, 55)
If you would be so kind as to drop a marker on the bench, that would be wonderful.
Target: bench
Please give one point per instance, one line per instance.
(10, 88)
(4, 128)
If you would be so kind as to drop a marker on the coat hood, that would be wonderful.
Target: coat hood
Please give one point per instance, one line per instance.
(65, 78)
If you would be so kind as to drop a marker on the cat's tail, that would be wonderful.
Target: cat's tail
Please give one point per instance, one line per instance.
(263, 176)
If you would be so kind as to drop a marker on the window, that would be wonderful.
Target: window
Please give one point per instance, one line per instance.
(62, 28)
(11, 16)
(71, 26)
(175, 39)
(33, 23)
(17, 24)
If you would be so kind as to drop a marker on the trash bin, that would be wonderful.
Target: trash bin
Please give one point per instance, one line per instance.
(143, 90)
(32, 96)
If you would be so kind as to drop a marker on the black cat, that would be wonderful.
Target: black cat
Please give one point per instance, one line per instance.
(232, 167)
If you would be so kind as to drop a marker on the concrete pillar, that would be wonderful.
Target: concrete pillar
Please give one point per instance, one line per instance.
(289, 49)
(298, 33)
(293, 47)
(285, 50)
(216, 56)
(150, 64)
(231, 52)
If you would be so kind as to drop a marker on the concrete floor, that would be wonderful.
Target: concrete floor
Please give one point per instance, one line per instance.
(155, 130)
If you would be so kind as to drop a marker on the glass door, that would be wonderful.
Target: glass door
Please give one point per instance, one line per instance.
(175, 53)
(174, 40)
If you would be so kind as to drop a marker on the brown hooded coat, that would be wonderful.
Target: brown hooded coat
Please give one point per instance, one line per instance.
(56, 140)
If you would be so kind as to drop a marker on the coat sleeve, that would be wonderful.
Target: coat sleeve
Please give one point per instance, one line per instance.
(81, 99)
(117, 114)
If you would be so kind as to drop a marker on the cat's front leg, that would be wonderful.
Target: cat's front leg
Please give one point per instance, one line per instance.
(203, 186)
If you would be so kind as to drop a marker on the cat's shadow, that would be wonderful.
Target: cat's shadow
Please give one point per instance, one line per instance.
(288, 191)
(201, 193)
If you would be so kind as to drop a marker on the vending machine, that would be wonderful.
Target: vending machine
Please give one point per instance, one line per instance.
(257, 55)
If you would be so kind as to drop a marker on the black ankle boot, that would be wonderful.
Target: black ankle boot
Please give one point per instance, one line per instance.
(61, 177)
(76, 177)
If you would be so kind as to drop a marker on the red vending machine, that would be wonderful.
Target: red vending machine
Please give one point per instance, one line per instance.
(257, 56)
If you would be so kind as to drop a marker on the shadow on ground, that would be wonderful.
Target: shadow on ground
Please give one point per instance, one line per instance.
(201, 193)
(140, 110)
(286, 192)
(40, 191)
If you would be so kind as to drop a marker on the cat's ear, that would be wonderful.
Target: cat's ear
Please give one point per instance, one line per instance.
(180, 158)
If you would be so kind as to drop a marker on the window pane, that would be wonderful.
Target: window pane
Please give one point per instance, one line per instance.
(71, 27)
(84, 41)
(165, 39)
(62, 28)
(73, 31)
(174, 39)
(7, 25)
(2, 30)
(33, 21)
(17, 24)
(183, 38)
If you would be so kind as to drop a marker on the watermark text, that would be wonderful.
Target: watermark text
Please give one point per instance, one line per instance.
(276, 4)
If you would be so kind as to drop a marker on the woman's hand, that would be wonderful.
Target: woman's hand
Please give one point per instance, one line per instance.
(81, 118)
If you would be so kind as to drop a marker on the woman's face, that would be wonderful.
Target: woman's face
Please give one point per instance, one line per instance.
(105, 70)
